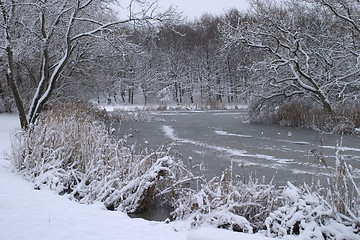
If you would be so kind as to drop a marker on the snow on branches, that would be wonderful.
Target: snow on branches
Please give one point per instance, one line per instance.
(307, 213)
(231, 204)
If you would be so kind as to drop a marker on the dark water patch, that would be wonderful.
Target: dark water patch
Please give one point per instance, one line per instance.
(153, 213)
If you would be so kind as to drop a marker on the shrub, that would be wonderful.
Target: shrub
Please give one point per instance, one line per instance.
(319, 212)
(229, 204)
(308, 214)
(70, 150)
(331, 212)
(345, 118)
(344, 193)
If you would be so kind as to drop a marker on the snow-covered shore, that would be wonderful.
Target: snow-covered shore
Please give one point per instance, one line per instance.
(26, 213)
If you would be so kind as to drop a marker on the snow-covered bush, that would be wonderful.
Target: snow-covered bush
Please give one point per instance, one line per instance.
(325, 212)
(229, 204)
(308, 214)
(317, 212)
(344, 193)
(70, 150)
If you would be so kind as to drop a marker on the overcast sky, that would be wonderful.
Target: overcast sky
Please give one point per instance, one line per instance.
(195, 8)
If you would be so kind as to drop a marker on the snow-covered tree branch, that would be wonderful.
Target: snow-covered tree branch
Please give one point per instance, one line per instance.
(319, 60)
(57, 29)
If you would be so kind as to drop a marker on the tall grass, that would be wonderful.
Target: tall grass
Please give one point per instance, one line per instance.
(228, 203)
(69, 149)
(345, 118)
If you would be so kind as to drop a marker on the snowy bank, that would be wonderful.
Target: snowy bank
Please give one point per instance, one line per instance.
(27, 213)
(31, 214)
(220, 234)
(128, 108)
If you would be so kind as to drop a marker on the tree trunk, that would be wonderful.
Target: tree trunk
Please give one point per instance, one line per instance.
(10, 81)
(10, 72)
(7, 105)
(19, 103)
(131, 95)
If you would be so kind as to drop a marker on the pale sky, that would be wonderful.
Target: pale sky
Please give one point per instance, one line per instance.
(195, 8)
(191, 9)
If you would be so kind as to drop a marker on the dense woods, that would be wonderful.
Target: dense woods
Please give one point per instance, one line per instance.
(280, 57)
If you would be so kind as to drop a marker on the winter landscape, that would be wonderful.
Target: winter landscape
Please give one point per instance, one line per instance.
(33, 214)
(125, 119)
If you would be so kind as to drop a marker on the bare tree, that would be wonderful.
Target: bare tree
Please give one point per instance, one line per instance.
(305, 52)
(347, 39)
(57, 29)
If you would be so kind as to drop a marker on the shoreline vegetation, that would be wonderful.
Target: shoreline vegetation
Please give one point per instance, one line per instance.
(343, 120)
(70, 150)
(292, 63)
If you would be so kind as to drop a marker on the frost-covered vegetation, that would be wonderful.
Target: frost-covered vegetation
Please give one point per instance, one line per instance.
(271, 58)
(226, 203)
(344, 119)
(70, 150)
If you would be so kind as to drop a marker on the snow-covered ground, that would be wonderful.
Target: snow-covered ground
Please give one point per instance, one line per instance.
(132, 107)
(26, 213)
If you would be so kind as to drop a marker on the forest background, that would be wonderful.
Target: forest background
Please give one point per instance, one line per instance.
(293, 62)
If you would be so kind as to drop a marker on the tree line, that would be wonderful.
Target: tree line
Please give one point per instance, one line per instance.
(276, 57)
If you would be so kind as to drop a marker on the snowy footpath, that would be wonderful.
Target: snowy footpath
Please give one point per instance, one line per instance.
(26, 213)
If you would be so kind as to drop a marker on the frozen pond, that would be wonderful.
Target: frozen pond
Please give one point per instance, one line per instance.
(221, 138)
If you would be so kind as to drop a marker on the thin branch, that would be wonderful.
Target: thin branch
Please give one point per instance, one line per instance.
(343, 17)
(101, 28)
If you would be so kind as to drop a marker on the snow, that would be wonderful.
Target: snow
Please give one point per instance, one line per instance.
(170, 133)
(174, 107)
(27, 213)
(224, 133)
(291, 193)
(218, 234)
(342, 148)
